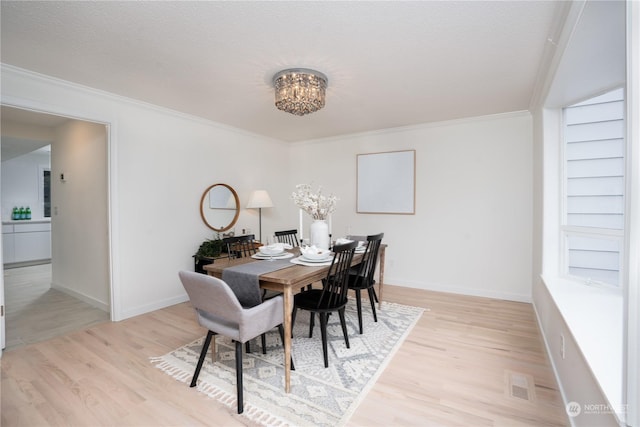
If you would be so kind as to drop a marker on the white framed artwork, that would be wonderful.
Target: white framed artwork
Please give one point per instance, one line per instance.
(386, 182)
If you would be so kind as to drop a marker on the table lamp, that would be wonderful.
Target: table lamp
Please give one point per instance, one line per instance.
(259, 199)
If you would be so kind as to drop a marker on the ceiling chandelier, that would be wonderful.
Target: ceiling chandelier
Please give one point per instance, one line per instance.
(300, 91)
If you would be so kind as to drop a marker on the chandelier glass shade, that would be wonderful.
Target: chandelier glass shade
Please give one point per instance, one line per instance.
(300, 91)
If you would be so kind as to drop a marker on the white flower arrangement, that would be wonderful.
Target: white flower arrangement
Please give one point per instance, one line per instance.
(316, 204)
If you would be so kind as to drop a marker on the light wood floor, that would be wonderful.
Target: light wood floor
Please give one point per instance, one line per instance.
(35, 312)
(454, 369)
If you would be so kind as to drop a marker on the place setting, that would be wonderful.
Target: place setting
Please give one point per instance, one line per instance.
(273, 251)
(362, 244)
(313, 256)
(360, 249)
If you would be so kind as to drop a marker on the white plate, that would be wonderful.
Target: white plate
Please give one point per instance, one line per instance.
(300, 261)
(266, 254)
(274, 249)
(270, 252)
(305, 259)
(315, 254)
(279, 256)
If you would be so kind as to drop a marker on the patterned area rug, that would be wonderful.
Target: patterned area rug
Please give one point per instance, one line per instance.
(319, 396)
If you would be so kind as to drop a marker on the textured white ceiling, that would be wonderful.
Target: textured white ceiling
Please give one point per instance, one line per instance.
(389, 63)
(25, 131)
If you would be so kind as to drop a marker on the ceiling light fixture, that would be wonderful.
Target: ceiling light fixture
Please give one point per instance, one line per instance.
(300, 91)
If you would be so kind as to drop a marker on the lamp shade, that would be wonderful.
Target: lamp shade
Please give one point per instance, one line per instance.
(259, 199)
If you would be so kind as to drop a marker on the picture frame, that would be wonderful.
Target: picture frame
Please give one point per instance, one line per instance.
(385, 183)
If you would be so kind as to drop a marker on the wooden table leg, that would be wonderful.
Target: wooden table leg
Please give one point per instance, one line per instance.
(381, 276)
(288, 307)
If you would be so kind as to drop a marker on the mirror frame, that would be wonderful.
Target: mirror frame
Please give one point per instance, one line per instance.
(202, 203)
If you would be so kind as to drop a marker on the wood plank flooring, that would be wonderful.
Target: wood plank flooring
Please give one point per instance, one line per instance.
(456, 368)
(35, 312)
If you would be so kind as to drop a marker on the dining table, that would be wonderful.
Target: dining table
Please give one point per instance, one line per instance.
(288, 281)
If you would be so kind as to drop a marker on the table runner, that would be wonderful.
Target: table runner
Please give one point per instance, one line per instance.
(244, 279)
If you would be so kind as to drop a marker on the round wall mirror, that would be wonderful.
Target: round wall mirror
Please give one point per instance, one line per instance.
(220, 207)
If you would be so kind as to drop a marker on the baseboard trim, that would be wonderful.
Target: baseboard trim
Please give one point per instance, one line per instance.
(89, 300)
(10, 265)
(460, 290)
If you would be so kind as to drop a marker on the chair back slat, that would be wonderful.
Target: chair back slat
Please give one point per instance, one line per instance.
(288, 236)
(336, 284)
(370, 258)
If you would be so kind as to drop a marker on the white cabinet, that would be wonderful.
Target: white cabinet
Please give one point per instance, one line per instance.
(8, 246)
(25, 241)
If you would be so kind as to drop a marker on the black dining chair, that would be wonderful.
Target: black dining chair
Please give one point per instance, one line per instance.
(219, 310)
(240, 246)
(331, 298)
(288, 236)
(361, 277)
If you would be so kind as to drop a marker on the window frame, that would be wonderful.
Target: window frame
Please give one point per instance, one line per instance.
(566, 231)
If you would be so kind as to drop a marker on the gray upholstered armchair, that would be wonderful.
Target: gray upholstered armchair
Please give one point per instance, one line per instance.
(218, 309)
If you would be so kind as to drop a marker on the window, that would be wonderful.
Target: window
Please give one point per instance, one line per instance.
(44, 190)
(46, 177)
(594, 163)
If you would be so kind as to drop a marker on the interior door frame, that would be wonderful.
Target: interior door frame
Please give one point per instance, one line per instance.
(110, 124)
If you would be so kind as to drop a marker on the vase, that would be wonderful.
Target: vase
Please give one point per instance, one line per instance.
(319, 234)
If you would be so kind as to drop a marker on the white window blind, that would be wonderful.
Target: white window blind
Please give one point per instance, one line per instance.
(594, 188)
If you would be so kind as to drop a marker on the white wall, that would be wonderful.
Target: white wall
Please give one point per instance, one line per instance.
(165, 163)
(21, 182)
(471, 232)
(79, 212)
(160, 162)
(573, 372)
(633, 202)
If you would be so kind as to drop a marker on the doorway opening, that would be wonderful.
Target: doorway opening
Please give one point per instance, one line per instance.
(76, 275)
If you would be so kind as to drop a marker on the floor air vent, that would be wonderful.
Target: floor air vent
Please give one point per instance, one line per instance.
(520, 386)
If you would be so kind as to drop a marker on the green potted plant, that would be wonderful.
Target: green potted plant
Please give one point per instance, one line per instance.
(207, 252)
